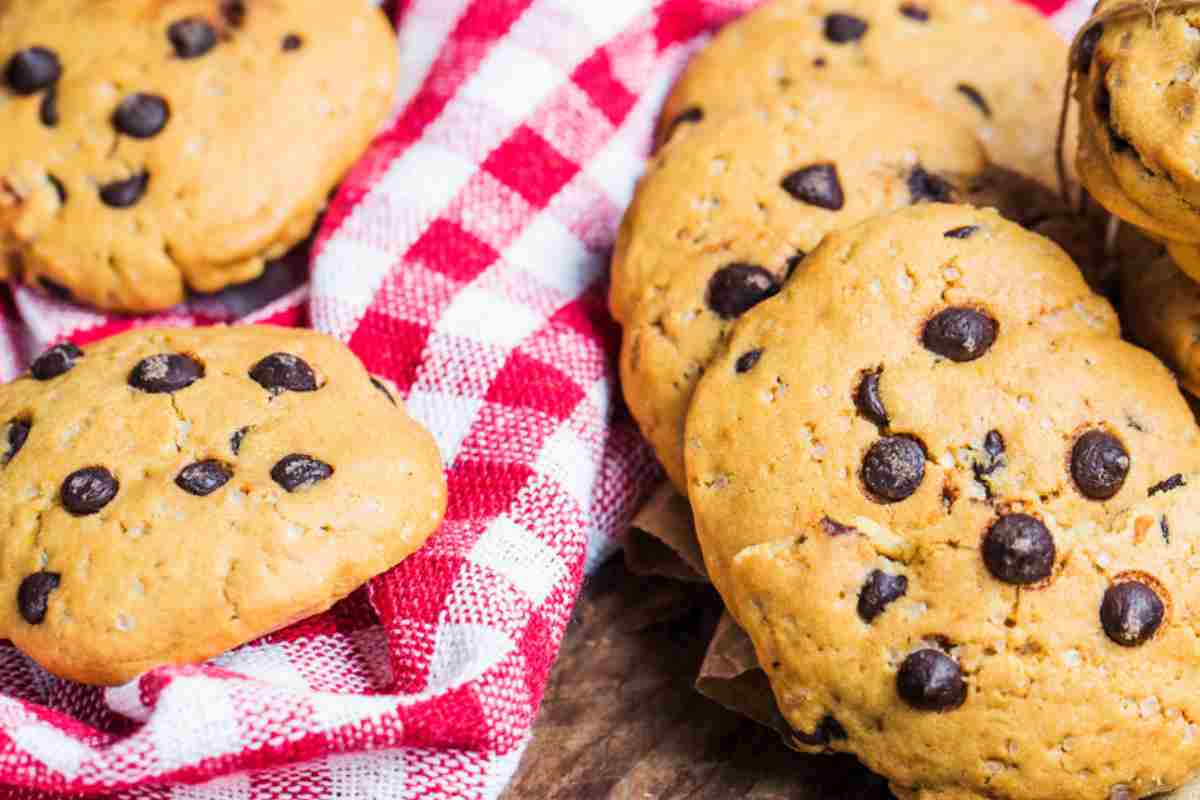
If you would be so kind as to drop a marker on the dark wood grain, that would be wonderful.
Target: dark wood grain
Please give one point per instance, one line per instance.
(621, 719)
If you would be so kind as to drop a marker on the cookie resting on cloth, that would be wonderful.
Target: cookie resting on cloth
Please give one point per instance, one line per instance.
(963, 55)
(925, 497)
(169, 493)
(179, 144)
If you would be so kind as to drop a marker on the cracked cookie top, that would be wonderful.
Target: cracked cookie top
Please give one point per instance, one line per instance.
(141, 159)
(169, 494)
(959, 54)
(908, 471)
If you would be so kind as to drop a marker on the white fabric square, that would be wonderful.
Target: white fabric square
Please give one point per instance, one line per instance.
(518, 555)
(194, 719)
(268, 663)
(568, 462)
(232, 787)
(448, 417)
(553, 254)
(462, 653)
(56, 750)
(350, 272)
(366, 776)
(415, 188)
(488, 317)
(513, 80)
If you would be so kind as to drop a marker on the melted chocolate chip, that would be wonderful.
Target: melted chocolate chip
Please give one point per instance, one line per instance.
(33, 595)
(1087, 48)
(203, 477)
(55, 361)
(793, 262)
(32, 70)
(747, 361)
(86, 491)
(835, 528)
(125, 193)
(297, 472)
(993, 444)
(818, 185)
(234, 12)
(1104, 109)
(55, 289)
(893, 468)
(867, 399)
(292, 42)
(843, 28)
(235, 440)
(915, 12)
(1099, 465)
(929, 680)
(971, 93)
(284, 372)
(192, 37)
(141, 116)
(1018, 549)
(1131, 613)
(735, 289)
(965, 232)
(18, 432)
(1165, 527)
(48, 110)
(1170, 484)
(880, 591)
(689, 116)
(959, 334)
(924, 186)
(59, 190)
(165, 373)
(828, 730)
(378, 384)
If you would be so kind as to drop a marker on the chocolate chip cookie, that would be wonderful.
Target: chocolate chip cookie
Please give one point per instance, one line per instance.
(934, 430)
(1160, 307)
(960, 54)
(169, 494)
(1139, 146)
(151, 148)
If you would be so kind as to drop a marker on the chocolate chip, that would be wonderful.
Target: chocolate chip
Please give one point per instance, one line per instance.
(735, 289)
(959, 334)
(18, 432)
(165, 373)
(925, 186)
(1131, 612)
(59, 190)
(843, 28)
(296, 472)
(234, 12)
(125, 193)
(835, 528)
(972, 94)
(235, 440)
(819, 63)
(292, 42)
(915, 12)
(993, 444)
(1099, 464)
(141, 116)
(931, 681)
(827, 730)
(880, 591)
(794, 261)
(893, 468)
(33, 595)
(867, 399)
(1104, 109)
(192, 37)
(965, 232)
(284, 372)
(689, 116)
(1087, 48)
(746, 361)
(1165, 527)
(32, 70)
(1170, 484)
(203, 477)
(818, 185)
(1018, 549)
(55, 361)
(378, 384)
(86, 491)
(48, 110)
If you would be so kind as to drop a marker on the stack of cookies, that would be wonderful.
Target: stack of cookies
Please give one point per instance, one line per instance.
(168, 494)
(949, 504)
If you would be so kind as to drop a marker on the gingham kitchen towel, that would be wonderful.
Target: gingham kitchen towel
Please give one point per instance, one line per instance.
(465, 259)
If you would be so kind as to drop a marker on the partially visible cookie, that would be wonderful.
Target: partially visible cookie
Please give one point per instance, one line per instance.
(149, 148)
(726, 213)
(1160, 309)
(960, 54)
(170, 494)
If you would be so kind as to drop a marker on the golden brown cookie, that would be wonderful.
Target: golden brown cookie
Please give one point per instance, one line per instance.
(169, 494)
(909, 470)
(1160, 308)
(995, 65)
(155, 146)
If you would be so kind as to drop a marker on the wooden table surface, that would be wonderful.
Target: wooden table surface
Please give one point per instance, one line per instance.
(621, 720)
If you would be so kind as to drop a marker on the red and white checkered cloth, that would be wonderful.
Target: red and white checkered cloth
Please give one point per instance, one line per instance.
(465, 259)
